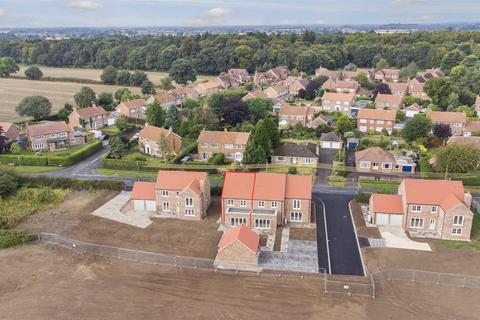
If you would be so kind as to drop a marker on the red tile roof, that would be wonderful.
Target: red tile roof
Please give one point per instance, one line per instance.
(377, 114)
(47, 128)
(434, 192)
(387, 203)
(223, 137)
(242, 234)
(143, 191)
(133, 103)
(91, 112)
(178, 180)
(445, 116)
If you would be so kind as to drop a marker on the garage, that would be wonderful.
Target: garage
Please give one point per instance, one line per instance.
(386, 209)
(383, 219)
(330, 141)
(143, 196)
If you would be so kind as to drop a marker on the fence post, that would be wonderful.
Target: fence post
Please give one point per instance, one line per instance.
(413, 276)
(438, 279)
(372, 281)
(325, 281)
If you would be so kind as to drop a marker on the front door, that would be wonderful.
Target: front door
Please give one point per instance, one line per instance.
(293, 160)
(147, 149)
(432, 224)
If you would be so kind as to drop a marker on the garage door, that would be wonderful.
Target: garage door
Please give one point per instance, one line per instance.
(396, 219)
(382, 219)
(336, 145)
(139, 205)
(326, 144)
(151, 205)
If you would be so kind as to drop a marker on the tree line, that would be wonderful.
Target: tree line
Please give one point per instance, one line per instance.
(216, 53)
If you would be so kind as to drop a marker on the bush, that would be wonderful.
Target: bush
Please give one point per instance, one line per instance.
(217, 159)
(69, 183)
(292, 170)
(363, 197)
(75, 156)
(190, 149)
(8, 182)
(11, 238)
(139, 157)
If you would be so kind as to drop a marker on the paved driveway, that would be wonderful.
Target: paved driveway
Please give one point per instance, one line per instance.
(343, 248)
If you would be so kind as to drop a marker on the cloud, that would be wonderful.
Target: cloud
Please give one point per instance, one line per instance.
(215, 16)
(84, 5)
(410, 2)
(423, 19)
(3, 14)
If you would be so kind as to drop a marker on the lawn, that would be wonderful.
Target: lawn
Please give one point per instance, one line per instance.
(475, 237)
(34, 169)
(60, 152)
(382, 186)
(314, 141)
(300, 170)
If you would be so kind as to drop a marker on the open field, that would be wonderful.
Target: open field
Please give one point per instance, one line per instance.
(12, 91)
(94, 74)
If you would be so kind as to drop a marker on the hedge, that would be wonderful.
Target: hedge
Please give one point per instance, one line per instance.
(11, 238)
(142, 166)
(190, 149)
(69, 183)
(24, 160)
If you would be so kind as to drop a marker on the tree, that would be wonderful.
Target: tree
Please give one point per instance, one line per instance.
(258, 108)
(350, 67)
(364, 82)
(254, 154)
(122, 124)
(120, 93)
(166, 84)
(311, 90)
(452, 59)
(155, 115)
(148, 87)
(417, 127)
(109, 75)
(381, 64)
(216, 101)
(182, 72)
(86, 97)
(235, 111)
(217, 159)
(105, 99)
(8, 66)
(15, 148)
(439, 90)
(63, 114)
(410, 71)
(37, 107)
(118, 148)
(165, 146)
(442, 131)
(458, 158)
(123, 78)
(382, 88)
(8, 181)
(3, 140)
(266, 135)
(33, 73)
(137, 78)
(344, 124)
(172, 120)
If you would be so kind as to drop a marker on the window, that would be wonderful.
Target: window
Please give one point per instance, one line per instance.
(434, 209)
(296, 204)
(238, 221)
(53, 135)
(39, 137)
(229, 146)
(281, 158)
(39, 146)
(230, 202)
(456, 231)
(243, 203)
(416, 223)
(457, 124)
(204, 144)
(263, 223)
(296, 216)
(386, 165)
(189, 212)
(274, 204)
(213, 145)
(166, 206)
(380, 122)
(307, 160)
(458, 221)
(189, 202)
(165, 193)
(63, 134)
(239, 146)
(365, 164)
(416, 208)
(261, 204)
(229, 155)
(363, 120)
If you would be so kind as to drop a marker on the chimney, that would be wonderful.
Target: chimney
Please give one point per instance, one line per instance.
(225, 129)
(170, 130)
(467, 199)
(317, 149)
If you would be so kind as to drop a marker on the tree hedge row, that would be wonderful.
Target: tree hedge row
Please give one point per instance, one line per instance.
(69, 183)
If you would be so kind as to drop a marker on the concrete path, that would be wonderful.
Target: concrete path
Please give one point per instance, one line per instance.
(395, 237)
(118, 210)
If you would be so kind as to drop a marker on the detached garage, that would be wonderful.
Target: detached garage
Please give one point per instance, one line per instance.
(330, 141)
(143, 196)
(386, 210)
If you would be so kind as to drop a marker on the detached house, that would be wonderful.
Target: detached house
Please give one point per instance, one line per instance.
(278, 92)
(166, 100)
(50, 136)
(10, 131)
(261, 201)
(338, 102)
(159, 142)
(398, 88)
(289, 115)
(297, 85)
(389, 101)
(205, 88)
(89, 118)
(231, 144)
(134, 108)
(456, 120)
(289, 153)
(176, 194)
(240, 76)
(412, 110)
(416, 88)
(272, 76)
(426, 208)
(375, 120)
(377, 160)
(254, 94)
(238, 249)
(343, 86)
(387, 75)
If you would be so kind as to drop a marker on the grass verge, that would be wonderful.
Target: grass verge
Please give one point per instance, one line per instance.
(382, 186)
(34, 169)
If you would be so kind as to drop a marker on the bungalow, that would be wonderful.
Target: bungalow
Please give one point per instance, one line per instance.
(338, 102)
(377, 160)
(90, 118)
(50, 136)
(330, 140)
(10, 131)
(412, 110)
(426, 208)
(231, 144)
(456, 120)
(134, 108)
(238, 249)
(387, 75)
(159, 142)
(175, 194)
(261, 201)
(375, 120)
(205, 88)
(289, 153)
(398, 88)
(389, 101)
(254, 94)
(471, 128)
(289, 116)
(278, 92)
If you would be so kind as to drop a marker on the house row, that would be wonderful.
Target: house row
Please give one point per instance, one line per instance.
(343, 75)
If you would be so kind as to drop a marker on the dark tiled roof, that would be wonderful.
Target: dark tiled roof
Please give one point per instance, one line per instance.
(330, 136)
(290, 149)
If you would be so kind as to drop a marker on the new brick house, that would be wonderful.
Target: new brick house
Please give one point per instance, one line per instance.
(134, 108)
(50, 136)
(231, 144)
(10, 131)
(289, 153)
(150, 141)
(175, 194)
(456, 120)
(90, 118)
(426, 208)
(289, 116)
(377, 160)
(261, 201)
(375, 120)
(387, 75)
(338, 102)
(389, 101)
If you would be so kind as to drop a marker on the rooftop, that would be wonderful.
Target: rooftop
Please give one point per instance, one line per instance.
(242, 234)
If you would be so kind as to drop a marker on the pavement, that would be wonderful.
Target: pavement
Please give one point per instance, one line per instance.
(395, 237)
(343, 248)
(301, 256)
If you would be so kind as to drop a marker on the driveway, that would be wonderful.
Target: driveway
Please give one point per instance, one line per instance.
(326, 157)
(343, 248)
(395, 237)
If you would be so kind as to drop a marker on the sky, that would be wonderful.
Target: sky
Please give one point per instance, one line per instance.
(130, 13)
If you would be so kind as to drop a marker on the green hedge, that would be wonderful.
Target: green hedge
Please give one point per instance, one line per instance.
(69, 183)
(471, 181)
(142, 166)
(24, 160)
(11, 238)
(190, 149)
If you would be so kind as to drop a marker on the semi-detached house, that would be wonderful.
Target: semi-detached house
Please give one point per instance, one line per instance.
(90, 118)
(338, 102)
(231, 144)
(375, 120)
(456, 120)
(261, 201)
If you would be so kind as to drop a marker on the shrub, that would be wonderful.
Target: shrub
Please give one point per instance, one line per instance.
(69, 183)
(217, 159)
(11, 238)
(15, 148)
(363, 197)
(139, 157)
(292, 170)
(8, 182)
(45, 195)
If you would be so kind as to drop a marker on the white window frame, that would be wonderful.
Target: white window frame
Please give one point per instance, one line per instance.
(416, 223)
(274, 205)
(189, 212)
(263, 224)
(434, 209)
(261, 204)
(296, 216)
(456, 231)
(237, 221)
(189, 202)
(365, 164)
(416, 208)
(297, 204)
(230, 202)
(165, 193)
(458, 221)
(243, 203)
(166, 206)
